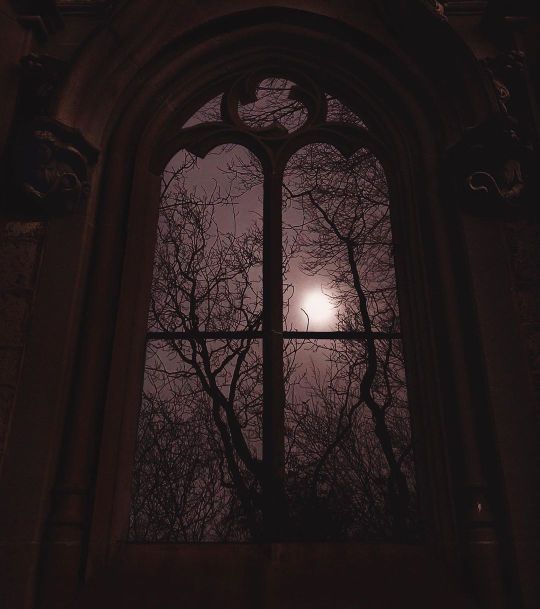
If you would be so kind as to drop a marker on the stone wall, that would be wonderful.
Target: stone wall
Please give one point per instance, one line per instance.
(28, 475)
(20, 254)
(523, 238)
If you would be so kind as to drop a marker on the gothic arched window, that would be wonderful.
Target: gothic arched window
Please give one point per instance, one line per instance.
(274, 404)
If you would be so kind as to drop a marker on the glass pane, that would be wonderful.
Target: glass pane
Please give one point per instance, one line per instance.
(274, 105)
(339, 112)
(199, 440)
(337, 243)
(349, 467)
(208, 258)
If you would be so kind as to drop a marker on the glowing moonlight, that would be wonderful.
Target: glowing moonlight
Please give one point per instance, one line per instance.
(318, 307)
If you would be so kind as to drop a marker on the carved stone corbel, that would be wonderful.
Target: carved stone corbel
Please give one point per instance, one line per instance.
(498, 164)
(507, 74)
(492, 166)
(494, 160)
(506, 185)
(50, 168)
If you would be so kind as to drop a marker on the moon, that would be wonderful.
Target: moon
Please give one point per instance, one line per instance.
(318, 307)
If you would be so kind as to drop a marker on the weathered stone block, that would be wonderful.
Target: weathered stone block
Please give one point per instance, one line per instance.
(24, 230)
(523, 241)
(9, 366)
(529, 304)
(532, 335)
(14, 308)
(19, 261)
(7, 395)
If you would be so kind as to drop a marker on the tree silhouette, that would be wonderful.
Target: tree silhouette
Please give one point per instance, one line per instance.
(199, 472)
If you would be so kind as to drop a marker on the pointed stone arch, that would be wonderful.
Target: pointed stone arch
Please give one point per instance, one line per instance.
(128, 88)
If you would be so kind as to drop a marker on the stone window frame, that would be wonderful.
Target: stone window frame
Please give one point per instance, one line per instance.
(273, 147)
(128, 355)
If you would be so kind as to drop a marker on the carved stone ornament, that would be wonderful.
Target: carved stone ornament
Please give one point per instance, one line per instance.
(493, 165)
(272, 144)
(505, 183)
(437, 8)
(507, 72)
(495, 159)
(50, 168)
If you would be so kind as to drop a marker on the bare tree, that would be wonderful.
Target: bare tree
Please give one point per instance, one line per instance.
(199, 473)
(358, 399)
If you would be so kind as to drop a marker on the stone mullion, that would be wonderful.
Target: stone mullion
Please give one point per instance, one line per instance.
(273, 388)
